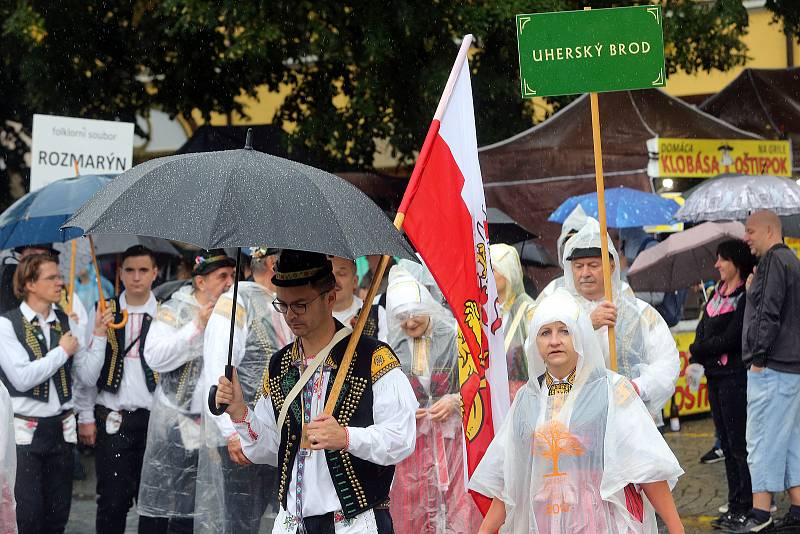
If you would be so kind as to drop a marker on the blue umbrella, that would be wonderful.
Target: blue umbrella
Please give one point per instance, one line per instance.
(37, 217)
(625, 208)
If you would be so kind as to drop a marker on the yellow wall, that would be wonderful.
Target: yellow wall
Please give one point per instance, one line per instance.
(766, 44)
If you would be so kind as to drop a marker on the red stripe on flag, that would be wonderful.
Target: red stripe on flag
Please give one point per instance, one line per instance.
(439, 225)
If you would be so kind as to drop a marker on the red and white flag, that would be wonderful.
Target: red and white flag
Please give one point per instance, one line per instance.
(445, 219)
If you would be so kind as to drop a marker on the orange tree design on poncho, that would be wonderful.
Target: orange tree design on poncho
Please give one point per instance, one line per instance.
(553, 440)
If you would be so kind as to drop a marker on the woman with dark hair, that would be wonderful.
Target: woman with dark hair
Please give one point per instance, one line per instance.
(718, 348)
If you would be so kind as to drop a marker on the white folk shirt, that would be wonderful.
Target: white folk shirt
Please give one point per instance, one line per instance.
(167, 349)
(215, 353)
(25, 374)
(133, 393)
(344, 316)
(388, 441)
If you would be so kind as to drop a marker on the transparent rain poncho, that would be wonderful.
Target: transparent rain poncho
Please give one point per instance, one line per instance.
(572, 224)
(571, 463)
(646, 350)
(174, 434)
(8, 464)
(517, 312)
(428, 494)
(233, 498)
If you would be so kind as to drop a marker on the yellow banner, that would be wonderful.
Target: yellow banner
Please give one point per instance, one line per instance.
(703, 158)
(793, 243)
(688, 402)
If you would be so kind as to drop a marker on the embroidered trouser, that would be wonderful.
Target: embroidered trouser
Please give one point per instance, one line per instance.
(376, 521)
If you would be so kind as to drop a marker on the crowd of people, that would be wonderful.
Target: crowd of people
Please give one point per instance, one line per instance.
(380, 448)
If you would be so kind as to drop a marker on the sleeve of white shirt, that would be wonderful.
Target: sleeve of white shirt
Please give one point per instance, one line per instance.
(657, 379)
(215, 357)
(80, 327)
(84, 397)
(392, 437)
(91, 359)
(263, 449)
(166, 347)
(23, 373)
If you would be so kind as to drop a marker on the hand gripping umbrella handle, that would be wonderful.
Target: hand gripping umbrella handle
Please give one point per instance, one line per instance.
(102, 301)
(214, 408)
(212, 393)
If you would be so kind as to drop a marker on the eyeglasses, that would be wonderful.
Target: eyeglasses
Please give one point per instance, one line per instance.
(299, 308)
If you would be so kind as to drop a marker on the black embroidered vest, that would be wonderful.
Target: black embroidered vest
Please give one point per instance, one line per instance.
(360, 485)
(114, 364)
(31, 337)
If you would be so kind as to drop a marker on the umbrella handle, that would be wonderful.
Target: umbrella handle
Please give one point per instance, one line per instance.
(212, 392)
(71, 294)
(213, 407)
(102, 302)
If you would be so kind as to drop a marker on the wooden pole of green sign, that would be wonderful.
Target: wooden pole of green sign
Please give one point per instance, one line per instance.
(601, 216)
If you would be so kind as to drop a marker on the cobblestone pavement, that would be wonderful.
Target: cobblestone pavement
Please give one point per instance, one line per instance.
(698, 494)
(702, 489)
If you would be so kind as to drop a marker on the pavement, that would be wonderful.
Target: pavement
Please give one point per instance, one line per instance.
(698, 494)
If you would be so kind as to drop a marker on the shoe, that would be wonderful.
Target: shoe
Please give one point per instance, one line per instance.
(713, 456)
(724, 508)
(729, 520)
(750, 524)
(787, 524)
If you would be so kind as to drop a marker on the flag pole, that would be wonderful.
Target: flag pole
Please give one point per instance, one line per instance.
(411, 189)
(601, 216)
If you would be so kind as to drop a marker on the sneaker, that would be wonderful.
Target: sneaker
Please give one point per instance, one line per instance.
(728, 519)
(731, 521)
(724, 508)
(750, 524)
(787, 524)
(713, 456)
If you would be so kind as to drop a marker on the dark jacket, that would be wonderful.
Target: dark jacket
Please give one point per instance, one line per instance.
(771, 334)
(720, 335)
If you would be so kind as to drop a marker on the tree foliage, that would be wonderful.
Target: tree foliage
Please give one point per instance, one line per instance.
(358, 72)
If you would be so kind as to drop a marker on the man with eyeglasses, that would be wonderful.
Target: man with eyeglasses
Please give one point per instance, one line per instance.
(335, 470)
(37, 367)
(232, 494)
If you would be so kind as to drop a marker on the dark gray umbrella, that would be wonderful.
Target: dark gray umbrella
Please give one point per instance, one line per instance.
(532, 253)
(105, 244)
(239, 198)
(504, 229)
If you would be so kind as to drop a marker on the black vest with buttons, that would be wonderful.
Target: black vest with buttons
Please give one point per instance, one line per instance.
(31, 337)
(360, 485)
(114, 364)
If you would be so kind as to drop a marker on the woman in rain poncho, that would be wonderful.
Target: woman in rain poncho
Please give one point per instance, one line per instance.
(516, 313)
(8, 465)
(428, 495)
(578, 452)
(646, 350)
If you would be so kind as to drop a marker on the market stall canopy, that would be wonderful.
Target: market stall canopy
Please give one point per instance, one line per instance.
(762, 101)
(530, 174)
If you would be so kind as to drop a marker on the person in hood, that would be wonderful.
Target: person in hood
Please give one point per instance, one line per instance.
(646, 351)
(175, 351)
(517, 311)
(578, 452)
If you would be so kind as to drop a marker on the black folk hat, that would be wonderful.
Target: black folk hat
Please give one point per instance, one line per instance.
(589, 252)
(298, 267)
(209, 261)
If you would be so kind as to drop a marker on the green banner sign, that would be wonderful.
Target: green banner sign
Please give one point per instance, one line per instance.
(571, 52)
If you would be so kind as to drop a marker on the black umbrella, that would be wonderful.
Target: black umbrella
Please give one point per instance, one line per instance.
(504, 229)
(532, 253)
(238, 198)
